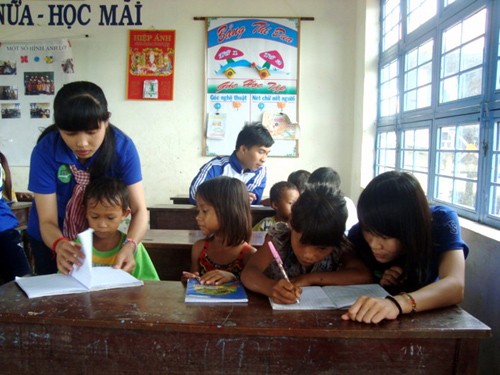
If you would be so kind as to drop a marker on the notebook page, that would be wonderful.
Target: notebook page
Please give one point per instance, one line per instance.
(83, 273)
(312, 298)
(345, 295)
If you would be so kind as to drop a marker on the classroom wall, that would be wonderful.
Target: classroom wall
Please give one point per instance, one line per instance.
(168, 134)
(337, 106)
(482, 296)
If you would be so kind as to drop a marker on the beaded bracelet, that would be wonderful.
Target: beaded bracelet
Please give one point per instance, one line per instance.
(132, 241)
(412, 301)
(54, 244)
(395, 301)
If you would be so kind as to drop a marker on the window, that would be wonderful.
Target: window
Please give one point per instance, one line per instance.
(419, 11)
(391, 25)
(439, 101)
(462, 58)
(457, 164)
(418, 77)
(494, 208)
(415, 154)
(389, 98)
(386, 156)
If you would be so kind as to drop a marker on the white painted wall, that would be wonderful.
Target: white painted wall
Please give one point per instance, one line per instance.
(336, 97)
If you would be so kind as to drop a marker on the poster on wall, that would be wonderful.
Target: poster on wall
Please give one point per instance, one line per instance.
(31, 73)
(252, 75)
(151, 64)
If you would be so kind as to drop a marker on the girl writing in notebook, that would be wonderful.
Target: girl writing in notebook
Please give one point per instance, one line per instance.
(81, 145)
(225, 219)
(313, 249)
(411, 248)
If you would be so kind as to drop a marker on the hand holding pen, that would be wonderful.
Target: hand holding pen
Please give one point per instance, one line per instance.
(280, 264)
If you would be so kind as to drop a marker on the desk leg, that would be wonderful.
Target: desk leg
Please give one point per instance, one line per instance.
(467, 356)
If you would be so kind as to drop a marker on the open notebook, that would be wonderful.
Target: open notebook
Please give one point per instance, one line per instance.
(84, 278)
(331, 296)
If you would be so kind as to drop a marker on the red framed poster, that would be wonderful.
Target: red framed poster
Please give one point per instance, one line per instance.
(151, 64)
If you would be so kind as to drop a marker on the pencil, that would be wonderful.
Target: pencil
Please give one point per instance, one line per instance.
(280, 263)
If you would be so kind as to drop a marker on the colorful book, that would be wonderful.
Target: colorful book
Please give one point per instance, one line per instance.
(231, 292)
(331, 297)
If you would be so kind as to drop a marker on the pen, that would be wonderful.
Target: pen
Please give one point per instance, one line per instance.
(280, 263)
(190, 275)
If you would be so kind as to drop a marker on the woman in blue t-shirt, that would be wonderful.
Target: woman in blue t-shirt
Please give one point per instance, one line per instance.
(414, 251)
(82, 145)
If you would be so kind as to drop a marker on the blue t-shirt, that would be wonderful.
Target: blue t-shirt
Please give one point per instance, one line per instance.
(50, 173)
(446, 235)
(231, 167)
(7, 218)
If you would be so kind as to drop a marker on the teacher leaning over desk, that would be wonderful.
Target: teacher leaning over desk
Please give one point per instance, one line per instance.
(80, 146)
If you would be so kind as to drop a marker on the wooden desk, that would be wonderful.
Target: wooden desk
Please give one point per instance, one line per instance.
(170, 249)
(180, 199)
(183, 216)
(150, 330)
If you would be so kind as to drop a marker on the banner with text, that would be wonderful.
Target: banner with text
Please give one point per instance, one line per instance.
(252, 75)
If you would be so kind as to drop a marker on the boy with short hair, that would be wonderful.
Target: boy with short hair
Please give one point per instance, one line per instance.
(246, 163)
(330, 176)
(313, 248)
(282, 196)
(299, 178)
(106, 205)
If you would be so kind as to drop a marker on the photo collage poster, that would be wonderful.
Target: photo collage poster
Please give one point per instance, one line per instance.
(31, 73)
(252, 75)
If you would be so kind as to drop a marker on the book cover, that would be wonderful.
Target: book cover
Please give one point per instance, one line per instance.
(331, 297)
(232, 292)
(81, 279)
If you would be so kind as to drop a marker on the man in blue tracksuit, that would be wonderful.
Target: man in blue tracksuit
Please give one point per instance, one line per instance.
(246, 163)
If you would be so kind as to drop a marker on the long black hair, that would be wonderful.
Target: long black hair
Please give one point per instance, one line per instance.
(229, 197)
(393, 204)
(82, 106)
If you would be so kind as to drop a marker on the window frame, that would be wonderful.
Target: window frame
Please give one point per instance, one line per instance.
(483, 109)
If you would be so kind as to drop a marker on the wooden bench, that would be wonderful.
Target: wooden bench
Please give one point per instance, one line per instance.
(170, 249)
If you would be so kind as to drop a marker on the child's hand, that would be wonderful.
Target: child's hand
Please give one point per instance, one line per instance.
(189, 275)
(252, 197)
(285, 292)
(391, 276)
(217, 277)
(371, 310)
(125, 259)
(67, 254)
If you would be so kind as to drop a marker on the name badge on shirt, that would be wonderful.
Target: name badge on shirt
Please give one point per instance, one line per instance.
(64, 173)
